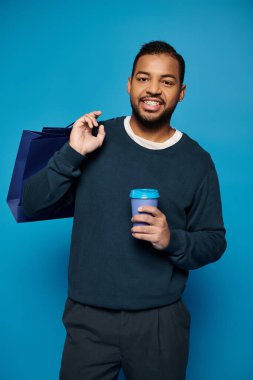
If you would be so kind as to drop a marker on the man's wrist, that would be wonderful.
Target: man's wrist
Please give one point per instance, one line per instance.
(83, 153)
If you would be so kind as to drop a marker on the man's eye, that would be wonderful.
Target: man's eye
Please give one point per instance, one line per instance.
(168, 83)
(142, 79)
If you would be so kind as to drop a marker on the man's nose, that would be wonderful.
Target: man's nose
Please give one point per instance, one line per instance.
(153, 87)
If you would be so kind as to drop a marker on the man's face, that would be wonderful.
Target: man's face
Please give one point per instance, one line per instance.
(155, 88)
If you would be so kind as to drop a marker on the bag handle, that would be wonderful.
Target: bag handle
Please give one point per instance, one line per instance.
(70, 124)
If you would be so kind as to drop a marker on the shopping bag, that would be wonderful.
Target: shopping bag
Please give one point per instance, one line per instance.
(35, 150)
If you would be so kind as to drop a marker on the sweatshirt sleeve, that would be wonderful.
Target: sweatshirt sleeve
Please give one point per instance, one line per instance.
(52, 187)
(203, 241)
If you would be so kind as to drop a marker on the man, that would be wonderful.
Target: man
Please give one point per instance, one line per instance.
(124, 306)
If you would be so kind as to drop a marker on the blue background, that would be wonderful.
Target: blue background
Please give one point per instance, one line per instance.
(62, 59)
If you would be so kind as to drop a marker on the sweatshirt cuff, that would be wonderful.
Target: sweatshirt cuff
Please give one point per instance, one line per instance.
(176, 244)
(70, 156)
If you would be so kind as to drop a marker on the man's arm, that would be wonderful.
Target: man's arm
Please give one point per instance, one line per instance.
(203, 241)
(52, 187)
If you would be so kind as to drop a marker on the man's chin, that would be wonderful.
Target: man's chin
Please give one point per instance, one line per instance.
(150, 117)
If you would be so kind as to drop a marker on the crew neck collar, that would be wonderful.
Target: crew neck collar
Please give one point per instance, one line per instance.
(151, 145)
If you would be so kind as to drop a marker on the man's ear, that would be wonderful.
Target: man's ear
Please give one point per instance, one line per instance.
(128, 85)
(182, 92)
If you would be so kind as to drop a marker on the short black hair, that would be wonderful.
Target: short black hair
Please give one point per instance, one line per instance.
(161, 47)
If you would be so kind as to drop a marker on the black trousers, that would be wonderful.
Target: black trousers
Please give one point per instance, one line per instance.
(147, 344)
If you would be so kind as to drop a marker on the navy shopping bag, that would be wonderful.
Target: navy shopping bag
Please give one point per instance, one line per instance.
(35, 150)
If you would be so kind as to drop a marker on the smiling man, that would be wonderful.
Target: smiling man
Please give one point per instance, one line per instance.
(124, 307)
(155, 88)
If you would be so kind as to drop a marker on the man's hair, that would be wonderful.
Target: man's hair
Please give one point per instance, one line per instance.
(161, 47)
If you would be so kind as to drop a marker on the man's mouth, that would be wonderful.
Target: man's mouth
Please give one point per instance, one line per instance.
(151, 104)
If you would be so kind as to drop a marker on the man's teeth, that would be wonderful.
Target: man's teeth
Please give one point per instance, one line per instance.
(151, 103)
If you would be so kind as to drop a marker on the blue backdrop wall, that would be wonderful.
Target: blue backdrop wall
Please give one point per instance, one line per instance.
(62, 59)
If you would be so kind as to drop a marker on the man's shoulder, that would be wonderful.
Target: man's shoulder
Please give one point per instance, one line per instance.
(110, 125)
(113, 121)
(196, 152)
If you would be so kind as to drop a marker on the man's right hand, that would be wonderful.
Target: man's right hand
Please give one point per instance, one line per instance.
(81, 138)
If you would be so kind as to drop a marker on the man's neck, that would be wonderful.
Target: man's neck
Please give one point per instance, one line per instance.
(161, 134)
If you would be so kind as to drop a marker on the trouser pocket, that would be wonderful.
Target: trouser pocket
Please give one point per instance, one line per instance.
(184, 313)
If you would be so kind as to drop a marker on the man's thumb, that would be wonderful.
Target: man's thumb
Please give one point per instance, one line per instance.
(101, 130)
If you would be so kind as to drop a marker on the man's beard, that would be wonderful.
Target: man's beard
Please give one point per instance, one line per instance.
(151, 121)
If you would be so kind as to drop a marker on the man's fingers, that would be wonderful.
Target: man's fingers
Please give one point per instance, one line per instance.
(94, 121)
(96, 113)
(143, 218)
(145, 229)
(151, 209)
(148, 237)
(86, 119)
(89, 121)
(91, 115)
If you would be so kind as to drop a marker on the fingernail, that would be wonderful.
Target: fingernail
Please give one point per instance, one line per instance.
(139, 208)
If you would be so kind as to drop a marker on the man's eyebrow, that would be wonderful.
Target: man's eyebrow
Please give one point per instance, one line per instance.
(162, 76)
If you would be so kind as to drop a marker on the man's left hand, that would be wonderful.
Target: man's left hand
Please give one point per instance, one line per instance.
(158, 232)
